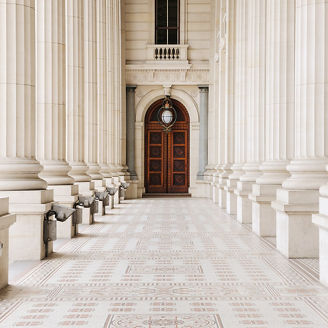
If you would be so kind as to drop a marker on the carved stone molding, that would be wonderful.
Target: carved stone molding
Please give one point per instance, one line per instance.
(143, 75)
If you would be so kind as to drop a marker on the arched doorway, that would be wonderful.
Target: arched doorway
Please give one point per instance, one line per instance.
(167, 153)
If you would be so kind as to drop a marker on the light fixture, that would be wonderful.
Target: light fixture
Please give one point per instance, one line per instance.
(167, 115)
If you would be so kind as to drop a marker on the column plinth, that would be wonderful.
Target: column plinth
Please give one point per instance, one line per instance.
(237, 172)
(223, 180)
(321, 221)
(244, 189)
(295, 204)
(6, 220)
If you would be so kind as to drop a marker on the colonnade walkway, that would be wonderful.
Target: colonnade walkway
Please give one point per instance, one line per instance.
(166, 263)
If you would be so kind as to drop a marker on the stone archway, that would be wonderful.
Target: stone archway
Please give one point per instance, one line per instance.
(141, 109)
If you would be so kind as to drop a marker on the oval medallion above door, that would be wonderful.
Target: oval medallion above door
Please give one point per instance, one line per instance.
(167, 153)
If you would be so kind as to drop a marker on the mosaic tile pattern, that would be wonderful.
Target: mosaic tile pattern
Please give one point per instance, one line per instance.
(167, 263)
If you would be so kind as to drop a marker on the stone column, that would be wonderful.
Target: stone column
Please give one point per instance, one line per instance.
(280, 90)
(102, 86)
(113, 180)
(255, 105)
(130, 130)
(19, 169)
(321, 220)
(132, 191)
(221, 142)
(75, 100)
(299, 197)
(228, 103)
(51, 107)
(238, 108)
(6, 220)
(91, 126)
(203, 131)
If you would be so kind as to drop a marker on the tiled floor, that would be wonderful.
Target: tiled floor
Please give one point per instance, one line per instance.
(167, 263)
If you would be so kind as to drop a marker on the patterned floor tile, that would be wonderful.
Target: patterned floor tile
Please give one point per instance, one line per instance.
(155, 263)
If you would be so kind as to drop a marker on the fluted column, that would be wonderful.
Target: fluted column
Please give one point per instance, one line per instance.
(75, 89)
(102, 94)
(18, 167)
(203, 131)
(91, 126)
(51, 91)
(221, 144)
(51, 106)
(299, 197)
(228, 104)
(255, 105)
(216, 100)
(238, 108)
(117, 87)
(279, 113)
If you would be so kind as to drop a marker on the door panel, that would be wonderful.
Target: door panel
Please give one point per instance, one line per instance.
(167, 153)
(178, 161)
(155, 163)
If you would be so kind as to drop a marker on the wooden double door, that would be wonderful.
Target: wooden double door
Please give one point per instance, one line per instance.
(167, 153)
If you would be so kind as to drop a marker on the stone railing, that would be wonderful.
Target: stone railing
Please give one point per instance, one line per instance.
(171, 53)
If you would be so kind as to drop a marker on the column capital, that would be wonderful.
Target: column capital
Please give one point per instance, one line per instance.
(131, 87)
(203, 88)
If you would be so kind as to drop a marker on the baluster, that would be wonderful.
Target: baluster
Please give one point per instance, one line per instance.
(178, 53)
(173, 53)
(165, 53)
(160, 53)
(169, 53)
(156, 53)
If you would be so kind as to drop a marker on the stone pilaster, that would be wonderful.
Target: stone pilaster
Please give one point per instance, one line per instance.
(299, 197)
(203, 131)
(132, 191)
(279, 113)
(130, 130)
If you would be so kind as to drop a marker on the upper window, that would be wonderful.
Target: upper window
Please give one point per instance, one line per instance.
(167, 22)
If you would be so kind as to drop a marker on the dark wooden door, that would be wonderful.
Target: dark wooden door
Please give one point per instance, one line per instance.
(167, 153)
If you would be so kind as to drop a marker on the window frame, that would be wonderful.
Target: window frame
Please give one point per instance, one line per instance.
(167, 28)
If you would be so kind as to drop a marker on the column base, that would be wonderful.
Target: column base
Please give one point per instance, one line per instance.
(200, 189)
(244, 205)
(6, 220)
(117, 197)
(87, 217)
(132, 191)
(222, 201)
(231, 200)
(86, 188)
(66, 195)
(322, 222)
(297, 237)
(26, 235)
(215, 192)
(263, 215)
(99, 185)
